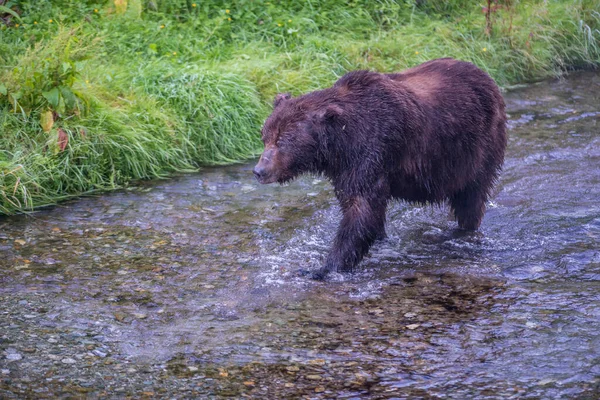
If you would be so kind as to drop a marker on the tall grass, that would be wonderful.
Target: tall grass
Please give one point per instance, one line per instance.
(220, 113)
(93, 97)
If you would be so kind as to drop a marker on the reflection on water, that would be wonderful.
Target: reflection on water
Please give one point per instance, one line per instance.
(188, 287)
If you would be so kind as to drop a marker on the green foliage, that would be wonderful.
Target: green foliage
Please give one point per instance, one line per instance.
(91, 99)
(221, 113)
(44, 76)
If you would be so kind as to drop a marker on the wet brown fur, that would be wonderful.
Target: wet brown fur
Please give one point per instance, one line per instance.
(432, 133)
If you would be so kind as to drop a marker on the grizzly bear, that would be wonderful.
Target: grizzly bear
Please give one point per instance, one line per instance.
(431, 133)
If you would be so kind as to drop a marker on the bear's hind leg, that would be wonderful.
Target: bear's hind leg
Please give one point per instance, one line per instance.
(468, 206)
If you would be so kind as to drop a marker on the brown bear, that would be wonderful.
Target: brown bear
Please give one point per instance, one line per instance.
(431, 133)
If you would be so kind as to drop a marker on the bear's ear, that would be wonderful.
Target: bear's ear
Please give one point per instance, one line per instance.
(280, 98)
(327, 113)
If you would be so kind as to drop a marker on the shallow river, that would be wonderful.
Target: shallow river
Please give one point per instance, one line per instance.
(187, 288)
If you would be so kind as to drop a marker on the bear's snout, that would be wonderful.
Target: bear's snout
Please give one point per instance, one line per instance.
(263, 171)
(259, 173)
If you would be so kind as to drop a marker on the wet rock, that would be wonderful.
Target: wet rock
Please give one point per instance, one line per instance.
(119, 316)
(99, 353)
(13, 356)
(546, 381)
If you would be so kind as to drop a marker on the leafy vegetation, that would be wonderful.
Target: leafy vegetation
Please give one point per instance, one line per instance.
(95, 94)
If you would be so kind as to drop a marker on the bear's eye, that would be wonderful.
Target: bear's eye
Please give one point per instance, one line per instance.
(286, 140)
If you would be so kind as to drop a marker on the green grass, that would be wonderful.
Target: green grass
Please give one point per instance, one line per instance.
(169, 86)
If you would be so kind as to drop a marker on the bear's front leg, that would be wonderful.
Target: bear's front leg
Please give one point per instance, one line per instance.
(362, 224)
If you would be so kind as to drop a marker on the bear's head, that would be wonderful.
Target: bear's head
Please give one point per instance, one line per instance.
(294, 136)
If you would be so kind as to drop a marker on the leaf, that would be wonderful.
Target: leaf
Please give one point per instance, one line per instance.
(53, 97)
(69, 97)
(63, 139)
(134, 9)
(3, 89)
(14, 99)
(46, 121)
(121, 6)
(7, 10)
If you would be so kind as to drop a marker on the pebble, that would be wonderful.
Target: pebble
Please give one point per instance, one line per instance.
(13, 356)
(119, 316)
(314, 377)
(531, 324)
(192, 369)
(68, 361)
(5, 371)
(412, 326)
(98, 353)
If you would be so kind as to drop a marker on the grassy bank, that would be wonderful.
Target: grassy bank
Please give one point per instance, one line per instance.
(95, 94)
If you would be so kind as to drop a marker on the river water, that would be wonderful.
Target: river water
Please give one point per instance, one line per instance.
(187, 288)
